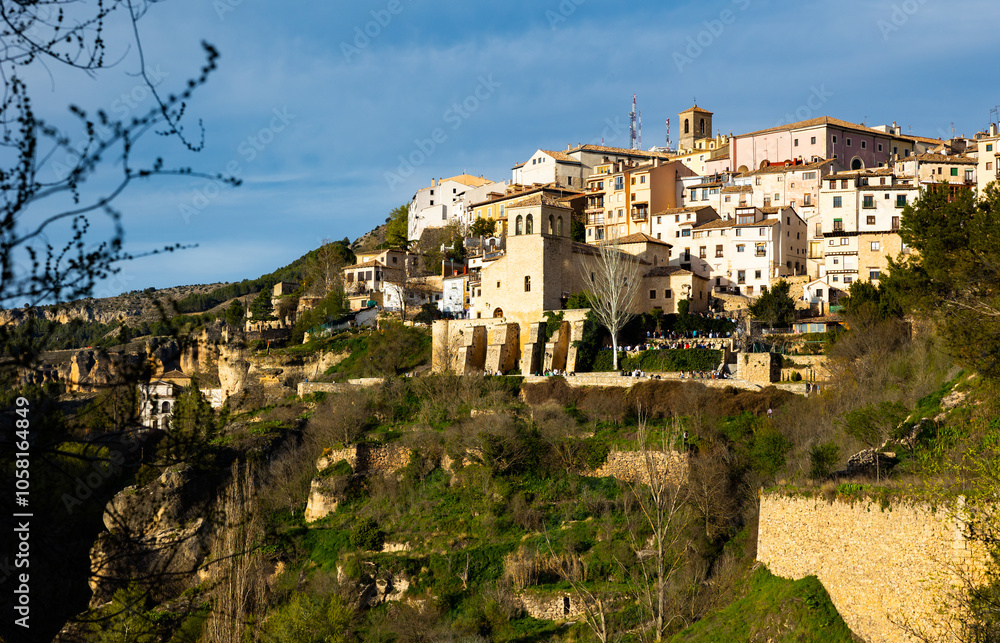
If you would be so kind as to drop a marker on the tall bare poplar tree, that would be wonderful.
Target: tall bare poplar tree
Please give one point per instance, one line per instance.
(614, 286)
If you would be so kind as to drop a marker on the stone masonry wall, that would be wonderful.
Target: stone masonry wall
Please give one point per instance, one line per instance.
(759, 368)
(630, 466)
(878, 565)
(365, 458)
(550, 607)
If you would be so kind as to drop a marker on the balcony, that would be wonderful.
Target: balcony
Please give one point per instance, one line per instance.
(838, 226)
(760, 253)
(595, 219)
(640, 213)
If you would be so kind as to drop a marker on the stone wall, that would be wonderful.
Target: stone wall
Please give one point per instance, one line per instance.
(368, 458)
(549, 607)
(759, 368)
(630, 466)
(878, 565)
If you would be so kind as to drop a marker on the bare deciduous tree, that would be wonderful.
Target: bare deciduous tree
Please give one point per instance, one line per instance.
(660, 506)
(614, 284)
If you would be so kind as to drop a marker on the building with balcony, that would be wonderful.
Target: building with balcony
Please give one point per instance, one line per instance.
(751, 251)
(931, 169)
(446, 201)
(861, 213)
(623, 196)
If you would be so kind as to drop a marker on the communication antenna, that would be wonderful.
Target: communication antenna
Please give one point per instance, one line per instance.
(633, 117)
(995, 114)
(668, 133)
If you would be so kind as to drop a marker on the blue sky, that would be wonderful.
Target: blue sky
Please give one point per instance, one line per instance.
(315, 117)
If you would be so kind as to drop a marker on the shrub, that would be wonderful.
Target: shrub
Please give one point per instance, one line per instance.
(796, 377)
(366, 535)
(691, 359)
(822, 459)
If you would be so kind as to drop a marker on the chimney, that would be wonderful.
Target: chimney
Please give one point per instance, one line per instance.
(993, 129)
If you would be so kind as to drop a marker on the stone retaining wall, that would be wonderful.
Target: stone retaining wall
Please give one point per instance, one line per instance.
(366, 458)
(630, 466)
(551, 607)
(879, 565)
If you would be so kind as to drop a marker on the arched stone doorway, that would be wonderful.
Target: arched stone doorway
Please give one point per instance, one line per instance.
(857, 164)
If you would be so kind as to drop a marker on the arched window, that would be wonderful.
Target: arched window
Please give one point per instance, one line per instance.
(559, 226)
(702, 127)
(687, 126)
(527, 283)
(519, 226)
(165, 408)
(529, 225)
(552, 224)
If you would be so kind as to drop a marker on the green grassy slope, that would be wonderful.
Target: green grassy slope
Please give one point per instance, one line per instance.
(775, 609)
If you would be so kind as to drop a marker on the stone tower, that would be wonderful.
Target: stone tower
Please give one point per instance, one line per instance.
(695, 124)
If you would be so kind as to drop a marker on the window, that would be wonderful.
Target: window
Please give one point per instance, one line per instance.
(807, 199)
(812, 140)
(727, 198)
(527, 283)
(900, 200)
(989, 147)
(833, 242)
(519, 225)
(968, 176)
(796, 143)
(834, 138)
(677, 218)
(741, 276)
(498, 285)
(704, 195)
(848, 280)
(954, 171)
(740, 247)
(836, 261)
(590, 232)
(864, 145)
(761, 230)
(838, 201)
(761, 250)
(756, 274)
(528, 225)
(895, 223)
(989, 166)
(702, 252)
(870, 219)
(666, 294)
(876, 245)
(686, 232)
(652, 294)
(619, 183)
(739, 232)
(718, 251)
(633, 180)
(642, 179)
(819, 229)
(843, 184)
(844, 241)
(874, 274)
(694, 195)
(868, 201)
(757, 181)
(848, 142)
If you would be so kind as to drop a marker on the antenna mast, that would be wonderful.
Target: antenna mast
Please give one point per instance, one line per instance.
(668, 134)
(635, 124)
